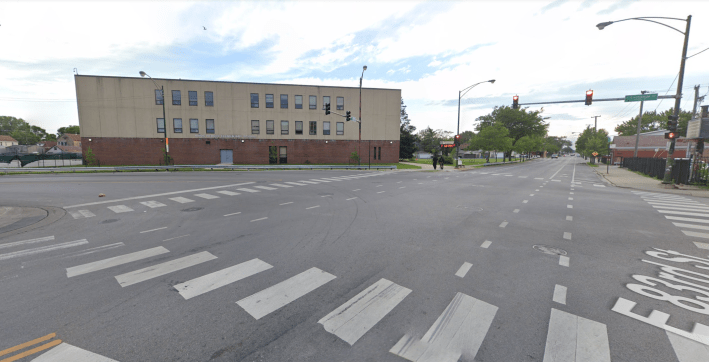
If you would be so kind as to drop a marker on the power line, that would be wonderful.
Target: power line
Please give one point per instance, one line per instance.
(668, 90)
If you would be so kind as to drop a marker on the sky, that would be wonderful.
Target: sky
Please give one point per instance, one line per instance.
(542, 51)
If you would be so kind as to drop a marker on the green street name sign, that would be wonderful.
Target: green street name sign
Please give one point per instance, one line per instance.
(641, 97)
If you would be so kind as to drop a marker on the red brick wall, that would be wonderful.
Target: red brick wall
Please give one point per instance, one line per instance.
(148, 151)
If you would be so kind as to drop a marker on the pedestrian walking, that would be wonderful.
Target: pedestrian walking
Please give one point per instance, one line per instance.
(440, 160)
(435, 161)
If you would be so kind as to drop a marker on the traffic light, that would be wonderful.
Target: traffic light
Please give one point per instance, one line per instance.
(589, 97)
(327, 108)
(348, 117)
(515, 103)
(700, 146)
(457, 140)
(671, 135)
(672, 123)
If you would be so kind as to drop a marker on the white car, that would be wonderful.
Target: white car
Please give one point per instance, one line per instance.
(554, 155)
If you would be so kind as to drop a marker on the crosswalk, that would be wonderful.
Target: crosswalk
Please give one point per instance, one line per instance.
(688, 215)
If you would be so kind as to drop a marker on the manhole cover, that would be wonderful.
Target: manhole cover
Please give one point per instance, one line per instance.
(108, 221)
(550, 250)
(192, 209)
(469, 208)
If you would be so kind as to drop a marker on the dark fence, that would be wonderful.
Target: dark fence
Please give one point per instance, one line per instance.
(655, 167)
(27, 159)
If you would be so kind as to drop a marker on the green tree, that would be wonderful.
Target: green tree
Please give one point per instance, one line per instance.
(428, 140)
(21, 130)
(653, 121)
(519, 122)
(407, 137)
(68, 129)
(493, 138)
(466, 136)
(528, 144)
(590, 141)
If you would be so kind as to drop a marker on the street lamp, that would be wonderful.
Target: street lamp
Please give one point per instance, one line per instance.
(359, 143)
(164, 119)
(680, 79)
(461, 93)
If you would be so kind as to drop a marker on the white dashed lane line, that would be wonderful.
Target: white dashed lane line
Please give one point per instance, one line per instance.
(147, 231)
(235, 213)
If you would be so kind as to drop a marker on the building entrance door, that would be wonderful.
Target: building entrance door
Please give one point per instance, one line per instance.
(227, 156)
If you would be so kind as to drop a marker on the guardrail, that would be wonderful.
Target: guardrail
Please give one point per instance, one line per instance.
(7, 170)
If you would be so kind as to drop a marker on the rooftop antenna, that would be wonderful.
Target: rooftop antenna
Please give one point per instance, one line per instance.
(76, 71)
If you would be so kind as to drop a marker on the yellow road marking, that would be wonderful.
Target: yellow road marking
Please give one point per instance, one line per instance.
(27, 344)
(33, 351)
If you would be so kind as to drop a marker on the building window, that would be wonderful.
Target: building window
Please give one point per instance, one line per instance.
(254, 100)
(340, 128)
(380, 153)
(284, 101)
(313, 127)
(194, 125)
(375, 153)
(177, 124)
(284, 127)
(298, 102)
(193, 97)
(340, 103)
(313, 102)
(269, 100)
(161, 125)
(325, 100)
(209, 99)
(298, 127)
(254, 127)
(210, 126)
(283, 155)
(159, 99)
(326, 128)
(269, 127)
(176, 98)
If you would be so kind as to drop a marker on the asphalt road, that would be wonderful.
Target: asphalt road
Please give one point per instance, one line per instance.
(355, 266)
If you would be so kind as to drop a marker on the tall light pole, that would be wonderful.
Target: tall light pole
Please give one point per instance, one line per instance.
(667, 179)
(164, 119)
(640, 120)
(461, 93)
(359, 143)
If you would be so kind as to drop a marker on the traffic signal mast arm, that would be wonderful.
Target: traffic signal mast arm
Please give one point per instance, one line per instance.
(348, 115)
(584, 100)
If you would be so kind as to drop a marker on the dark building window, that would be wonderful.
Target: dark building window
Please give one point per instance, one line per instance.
(325, 100)
(177, 124)
(159, 99)
(254, 100)
(210, 126)
(375, 153)
(161, 125)
(176, 98)
(298, 102)
(298, 127)
(194, 125)
(340, 103)
(380, 153)
(313, 102)
(283, 155)
(269, 100)
(340, 128)
(313, 127)
(209, 99)
(326, 128)
(254, 127)
(284, 101)
(193, 97)
(269, 127)
(284, 127)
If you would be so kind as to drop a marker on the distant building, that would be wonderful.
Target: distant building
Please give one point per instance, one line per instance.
(69, 139)
(651, 145)
(6, 141)
(64, 149)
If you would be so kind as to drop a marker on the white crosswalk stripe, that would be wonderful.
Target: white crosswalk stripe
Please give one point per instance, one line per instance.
(295, 183)
(685, 208)
(684, 213)
(25, 242)
(463, 269)
(43, 249)
(118, 209)
(207, 196)
(575, 339)
(319, 180)
(218, 279)
(155, 271)
(81, 214)
(152, 204)
(265, 188)
(691, 226)
(114, 261)
(228, 193)
(458, 331)
(248, 190)
(277, 296)
(281, 185)
(182, 200)
(358, 315)
(309, 182)
(65, 352)
(696, 234)
(704, 246)
(706, 221)
(688, 350)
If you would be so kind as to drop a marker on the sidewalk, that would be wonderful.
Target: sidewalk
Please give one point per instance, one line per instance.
(429, 166)
(622, 177)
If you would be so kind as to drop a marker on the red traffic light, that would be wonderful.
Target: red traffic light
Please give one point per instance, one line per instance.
(515, 104)
(671, 135)
(589, 97)
(589, 92)
(515, 98)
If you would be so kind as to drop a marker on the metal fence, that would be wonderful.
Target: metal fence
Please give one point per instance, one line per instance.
(655, 167)
(197, 167)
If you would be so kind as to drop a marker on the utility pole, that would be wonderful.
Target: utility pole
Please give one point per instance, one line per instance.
(696, 98)
(595, 124)
(640, 119)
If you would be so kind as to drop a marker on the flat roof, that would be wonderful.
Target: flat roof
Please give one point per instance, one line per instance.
(224, 81)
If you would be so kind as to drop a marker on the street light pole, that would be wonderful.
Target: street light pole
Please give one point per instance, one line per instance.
(640, 119)
(164, 119)
(461, 93)
(359, 143)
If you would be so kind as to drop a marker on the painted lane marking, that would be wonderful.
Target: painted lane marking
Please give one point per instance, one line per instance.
(379, 185)
(80, 214)
(233, 213)
(27, 344)
(688, 350)
(459, 330)
(282, 185)
(24, 242)
(155, 271)
(539, 178)
(84, 251)
(522, 176)
(228, 193)
(503, 224)
(679, 204)
(218, 279)
(569, 218)
(556, 180)
(559, 294)
(312, 207)
(351, 198)
(358, 315)
(691, 226)
(43, 249)
(564, 260)
(277, 296)
(155, 195)
(575, 339)
(684, 213)
(486, 244)
(571, 193)
(266, 188)
(295, 183)
(380, 192)
(463, 269)
(571, 199)
(704, 246)
(570, 206)
(599, 185)
(525, 201)
(177, 237)
(319, 180)
(567, 235)
(531, 194)
(356, 190)
(120, 209)
(151, 204)
(399, 182)
(309, 182)
(114, 261)
(65, 352)
(147, 231)
(263, 218)
(516, 211)
(285, 203)
(402, 187)
(182, 200)
(552, 176)
(687, 219)
(538, 189)
(248, 190)
(685, 208)
(696, 234)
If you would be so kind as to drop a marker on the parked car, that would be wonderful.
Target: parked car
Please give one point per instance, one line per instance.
(554, 155)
